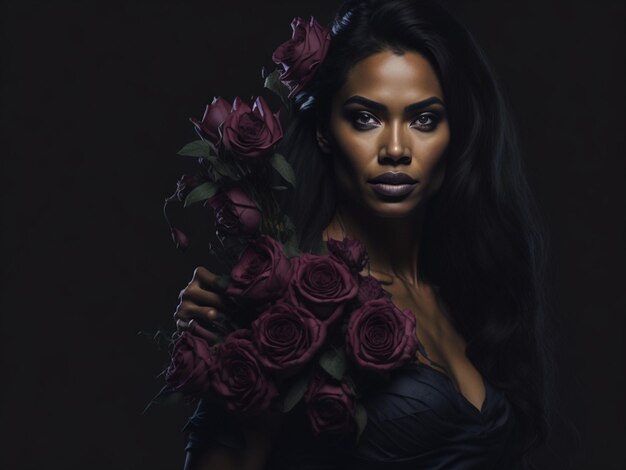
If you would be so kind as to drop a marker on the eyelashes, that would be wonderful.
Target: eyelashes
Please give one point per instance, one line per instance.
(431, 120)
(426, 121)
(362, 120)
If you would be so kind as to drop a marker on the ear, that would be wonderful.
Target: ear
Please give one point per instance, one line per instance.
(322, 140)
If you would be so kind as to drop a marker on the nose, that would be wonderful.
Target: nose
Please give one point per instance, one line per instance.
(393, 150)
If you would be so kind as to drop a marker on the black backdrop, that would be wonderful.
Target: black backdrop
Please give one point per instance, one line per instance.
(95, 101)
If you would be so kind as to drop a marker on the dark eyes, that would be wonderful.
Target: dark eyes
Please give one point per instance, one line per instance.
(427, 121)
(363, 120)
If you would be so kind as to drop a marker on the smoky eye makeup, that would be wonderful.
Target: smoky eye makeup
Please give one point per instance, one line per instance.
(361, 119)
(365, 120)
(427, 120)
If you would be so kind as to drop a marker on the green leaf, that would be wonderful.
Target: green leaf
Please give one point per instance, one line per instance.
(197, 148)
(295, 393)
(223, 167)
(290, 247)
(284, 169)
(334, 362)
(360, 417)
(201, 193)
(279, 188)
(273, 83)
(319, 247)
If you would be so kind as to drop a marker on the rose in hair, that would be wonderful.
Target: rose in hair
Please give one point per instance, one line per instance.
(287, 337)
(370, 289)
(351, 252)
(235, 212)
(380, 336)
(299, 57)
(239, 378)
(190, 368)
(262, 272)
(250, 133)
(214, 115)
(322, 284)
(330, 406)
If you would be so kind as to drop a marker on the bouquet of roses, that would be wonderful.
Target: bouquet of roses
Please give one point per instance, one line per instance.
(310, 328)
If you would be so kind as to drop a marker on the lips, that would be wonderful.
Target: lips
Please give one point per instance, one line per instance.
(393, 184)
(393, 178)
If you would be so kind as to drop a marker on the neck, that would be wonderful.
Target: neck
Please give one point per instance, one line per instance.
(392, 243)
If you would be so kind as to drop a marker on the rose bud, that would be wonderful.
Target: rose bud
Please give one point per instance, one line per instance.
(380, 336)
(214, 115)
(322, 285)
(238, 376)
(287, 337)
(370, 289)
(250, 133)
(299, 57)
(262, 272)
(351, 252)
(330, 406)
(235, 212)
(190, 369)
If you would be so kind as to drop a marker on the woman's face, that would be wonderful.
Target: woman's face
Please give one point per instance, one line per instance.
(388, 119)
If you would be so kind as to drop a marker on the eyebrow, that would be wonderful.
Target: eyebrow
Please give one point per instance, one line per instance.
(381, 107)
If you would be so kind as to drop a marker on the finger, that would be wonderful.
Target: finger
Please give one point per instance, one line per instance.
(202, 297)
(207, 279)
(194, 328)
(195, 312)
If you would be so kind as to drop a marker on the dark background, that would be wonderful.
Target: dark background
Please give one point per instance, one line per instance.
(95, 98)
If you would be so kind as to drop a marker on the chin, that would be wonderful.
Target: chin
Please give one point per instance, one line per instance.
(396, 209)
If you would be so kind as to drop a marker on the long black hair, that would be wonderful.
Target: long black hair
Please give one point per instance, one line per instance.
(483, 244)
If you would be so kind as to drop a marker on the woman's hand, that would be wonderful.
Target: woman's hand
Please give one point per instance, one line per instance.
(200, 301)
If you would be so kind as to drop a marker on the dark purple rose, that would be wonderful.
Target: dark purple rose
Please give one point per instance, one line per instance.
(262, 272)
(250, 133)
(235, 212)
(330, 406)
(214, 115)
(322, 285)
(238, 376)
(190, 369)
(351, 252)
(380, 336)
(287, 337)
(299, 57)
(370, 289)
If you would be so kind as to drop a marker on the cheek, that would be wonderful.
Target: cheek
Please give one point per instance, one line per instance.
(433, 161)
(433, 151)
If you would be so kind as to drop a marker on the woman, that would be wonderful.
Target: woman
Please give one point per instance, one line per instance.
(402, 140)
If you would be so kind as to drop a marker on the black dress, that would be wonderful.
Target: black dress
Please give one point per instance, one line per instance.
(418, 421)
